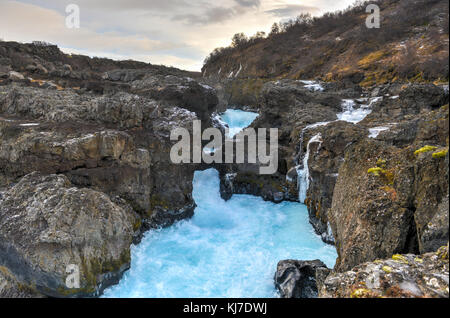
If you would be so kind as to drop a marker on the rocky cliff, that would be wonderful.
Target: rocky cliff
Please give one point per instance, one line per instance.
(85, 145)
(376, 186)
(401, 276)
(85, 163)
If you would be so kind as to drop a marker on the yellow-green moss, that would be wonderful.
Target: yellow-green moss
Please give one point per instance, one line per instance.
(157, 202)
(381, 163)
(375, 171)
(425, 149)
(361, 293)
(440, 154)
(443, 252)
(92, 269)
(5, 271)
(388, 175)
(371, 58)
(387, 269)
(400, 259)
(137, 225)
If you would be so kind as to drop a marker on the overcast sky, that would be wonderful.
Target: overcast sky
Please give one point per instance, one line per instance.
(179, 33)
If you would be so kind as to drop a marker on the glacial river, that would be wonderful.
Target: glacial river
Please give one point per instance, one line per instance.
(228, 249)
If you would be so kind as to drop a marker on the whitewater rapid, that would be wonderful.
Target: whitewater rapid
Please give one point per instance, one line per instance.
(228, 249)
(237, 120)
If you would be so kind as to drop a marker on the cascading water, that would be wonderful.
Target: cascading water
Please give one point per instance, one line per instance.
(237, 120)
(312, 85)
(228, 249)
(303, 173)
(349, 114)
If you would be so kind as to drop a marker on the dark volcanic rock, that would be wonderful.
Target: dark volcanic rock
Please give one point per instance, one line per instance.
(87, 144)
(401, 276)
(46, 225)
(391, 199)
(182, 92)
(324, 164)
(109, 143)
(11, 288)
(290, 107)
(297, 279)
(410, 100)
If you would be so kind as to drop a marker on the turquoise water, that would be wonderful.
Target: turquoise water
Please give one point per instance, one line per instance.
(237, 120)
(228, 249)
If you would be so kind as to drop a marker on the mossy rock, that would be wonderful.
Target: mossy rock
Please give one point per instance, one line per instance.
(387, 269)
(400, 259)
(375, 171)
(440, 154)
(425, 149)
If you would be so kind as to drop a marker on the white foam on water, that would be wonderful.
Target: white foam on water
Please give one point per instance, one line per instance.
(237, 120)
(303, 173)
(352, 115)
(374, 132)
(228, 249)
(312, 85)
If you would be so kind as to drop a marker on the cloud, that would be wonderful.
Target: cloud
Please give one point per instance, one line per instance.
(292, 10)
(212, 15)
(218, 14)
(249, 3)
(173, 32)
(114, 5)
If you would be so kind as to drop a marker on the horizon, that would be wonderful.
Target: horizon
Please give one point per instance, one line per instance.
(148, 31)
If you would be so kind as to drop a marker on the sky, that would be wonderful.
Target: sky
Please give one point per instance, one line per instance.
(178, 33)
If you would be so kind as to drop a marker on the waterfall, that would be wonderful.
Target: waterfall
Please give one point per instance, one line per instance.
(352, 115)
(239, 71)
(303, 174)
(228, 249)
(312, 86)
(349, 114)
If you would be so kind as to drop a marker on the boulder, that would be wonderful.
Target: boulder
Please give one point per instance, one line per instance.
(46, 225)
(297, 279)
(16, 76)
(401, 276)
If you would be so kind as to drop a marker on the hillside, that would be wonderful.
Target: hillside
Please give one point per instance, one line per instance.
(361, 183)
(411, 45)
(46, 63)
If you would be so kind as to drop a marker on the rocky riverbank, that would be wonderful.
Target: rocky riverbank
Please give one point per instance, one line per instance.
(85, 170)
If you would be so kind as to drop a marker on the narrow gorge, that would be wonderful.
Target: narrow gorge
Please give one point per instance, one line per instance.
(357, 208)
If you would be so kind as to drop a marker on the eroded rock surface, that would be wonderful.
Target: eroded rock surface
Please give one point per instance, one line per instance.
(297, 279)
(46, 224)
(97, 133)
(401, 276)
(389, 197)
